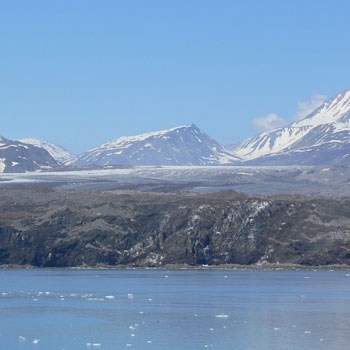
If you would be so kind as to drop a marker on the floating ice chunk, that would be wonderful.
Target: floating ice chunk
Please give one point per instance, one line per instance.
(149, 341)
(221, 316)
(88, 345)
(21, 338)
(130, 296)
(96, 345)
(128, 345)
(111, 297)
(150, 299)
(307, 332)
(36, 341)
(276, 329)
(211, 329)
(132, 327)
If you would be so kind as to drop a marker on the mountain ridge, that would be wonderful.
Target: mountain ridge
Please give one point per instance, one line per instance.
(321, 138)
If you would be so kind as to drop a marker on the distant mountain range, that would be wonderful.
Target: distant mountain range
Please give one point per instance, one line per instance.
(323, 137)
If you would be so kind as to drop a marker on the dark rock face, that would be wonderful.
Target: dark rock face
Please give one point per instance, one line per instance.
(43, 227)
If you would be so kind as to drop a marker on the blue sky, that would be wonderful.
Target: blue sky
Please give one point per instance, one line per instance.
(83, 72)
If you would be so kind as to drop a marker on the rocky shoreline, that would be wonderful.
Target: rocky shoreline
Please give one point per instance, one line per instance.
(174, 267)
(45, 227)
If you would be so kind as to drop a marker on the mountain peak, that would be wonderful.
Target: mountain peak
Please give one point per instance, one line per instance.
(158, 133)
(182, 145)
(3, 139)
(16, 156)
(330, 111)
(322, 137)
(57, 152)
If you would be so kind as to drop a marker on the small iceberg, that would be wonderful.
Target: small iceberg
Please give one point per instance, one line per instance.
(21, 338)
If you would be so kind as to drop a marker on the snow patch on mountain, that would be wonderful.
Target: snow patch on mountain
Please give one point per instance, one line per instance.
(127, 140)
(330, 112)
(57, 152)
(2, 165)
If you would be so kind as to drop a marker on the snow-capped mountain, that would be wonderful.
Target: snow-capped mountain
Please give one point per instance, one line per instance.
(18, 157)
(183, 145)
(57, 152)
(322, 137)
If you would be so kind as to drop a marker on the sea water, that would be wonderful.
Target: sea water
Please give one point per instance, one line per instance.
(72, 309)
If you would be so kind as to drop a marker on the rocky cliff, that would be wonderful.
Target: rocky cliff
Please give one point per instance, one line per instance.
(44, 227)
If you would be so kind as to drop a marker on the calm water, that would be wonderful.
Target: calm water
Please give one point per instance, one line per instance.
(184, 309)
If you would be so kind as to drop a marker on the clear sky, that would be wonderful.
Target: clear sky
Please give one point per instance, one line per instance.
(83, 72)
